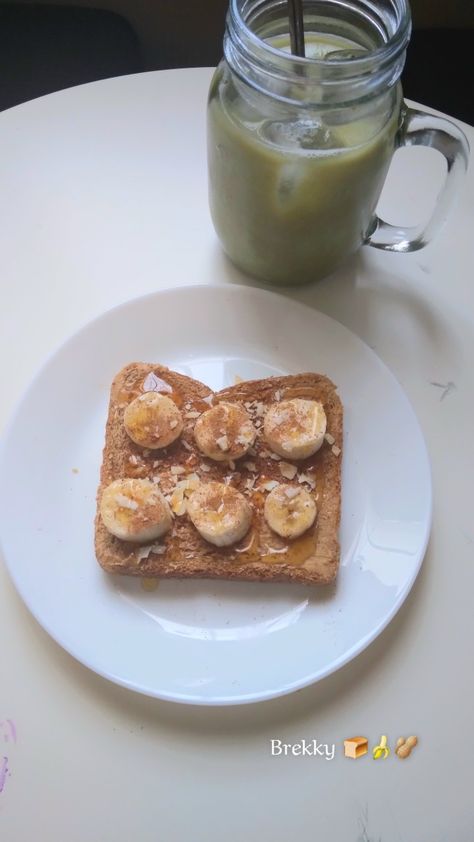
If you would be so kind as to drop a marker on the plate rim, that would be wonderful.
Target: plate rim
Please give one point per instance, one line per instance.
(253, 697)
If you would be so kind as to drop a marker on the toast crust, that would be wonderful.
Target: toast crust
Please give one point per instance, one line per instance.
(261, 555)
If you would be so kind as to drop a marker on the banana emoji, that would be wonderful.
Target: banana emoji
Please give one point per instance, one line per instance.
(224, 432)
(289, 511)
(135, 510)
(382, 750)
(153, 421)
(295, 428)
(220, 514)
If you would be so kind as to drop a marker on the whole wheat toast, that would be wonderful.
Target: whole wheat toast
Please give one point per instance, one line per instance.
(182, 552)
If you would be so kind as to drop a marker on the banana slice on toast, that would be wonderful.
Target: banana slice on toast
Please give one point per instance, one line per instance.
(224, 432)
(289, 511)
(135, 510)
(295, 428)
(220, 513)
(153, 421)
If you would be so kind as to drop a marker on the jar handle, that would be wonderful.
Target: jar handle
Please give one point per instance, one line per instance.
(421, 129)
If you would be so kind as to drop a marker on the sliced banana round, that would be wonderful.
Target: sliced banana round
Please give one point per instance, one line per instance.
(295, 428)
(289, 511)
(135, 510)
(221, 514)
(224, 432)
(153, 421)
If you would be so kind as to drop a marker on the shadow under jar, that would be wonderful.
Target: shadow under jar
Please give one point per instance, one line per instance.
(299, 148)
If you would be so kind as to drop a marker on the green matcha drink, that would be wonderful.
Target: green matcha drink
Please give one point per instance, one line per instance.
(299, 145)
(291, 194)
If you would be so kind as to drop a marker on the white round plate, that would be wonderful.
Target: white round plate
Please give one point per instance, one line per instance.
(209, 642)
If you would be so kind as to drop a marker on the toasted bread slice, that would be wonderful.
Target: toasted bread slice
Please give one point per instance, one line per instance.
(262, 555)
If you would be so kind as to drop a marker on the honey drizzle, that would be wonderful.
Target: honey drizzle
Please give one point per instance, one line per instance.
(298, 549)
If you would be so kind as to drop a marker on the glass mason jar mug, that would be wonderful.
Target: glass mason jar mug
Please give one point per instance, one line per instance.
(299, 148)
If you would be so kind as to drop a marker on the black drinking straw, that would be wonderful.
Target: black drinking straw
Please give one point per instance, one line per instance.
(295, 13)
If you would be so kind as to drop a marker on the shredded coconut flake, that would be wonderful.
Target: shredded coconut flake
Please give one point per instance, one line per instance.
(159, 549)
(306, 478)
(192, 483)
(329, 438)
(177, 469)
(223, 442)
(133, 459)
(152, 383)
(193, 414)
(209, 399)
(251, 466)
(144, 552)
(173, 424)
(126, 502)
(186, 445)
(291, 493)
(204, 467)
(245, 549)
(336, 450)
(177, 501)
(270, 485)
(287, 470)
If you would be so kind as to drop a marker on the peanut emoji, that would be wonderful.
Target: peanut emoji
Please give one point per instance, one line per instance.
(404, 747)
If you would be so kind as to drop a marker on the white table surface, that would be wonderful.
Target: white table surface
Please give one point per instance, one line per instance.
(104, 197)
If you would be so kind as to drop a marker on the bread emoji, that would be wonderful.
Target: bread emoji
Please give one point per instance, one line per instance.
(356, 747)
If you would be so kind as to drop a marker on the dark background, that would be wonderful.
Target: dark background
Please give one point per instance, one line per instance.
(46, 47)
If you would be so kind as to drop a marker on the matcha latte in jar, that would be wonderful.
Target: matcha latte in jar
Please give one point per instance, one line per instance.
(299, 148)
